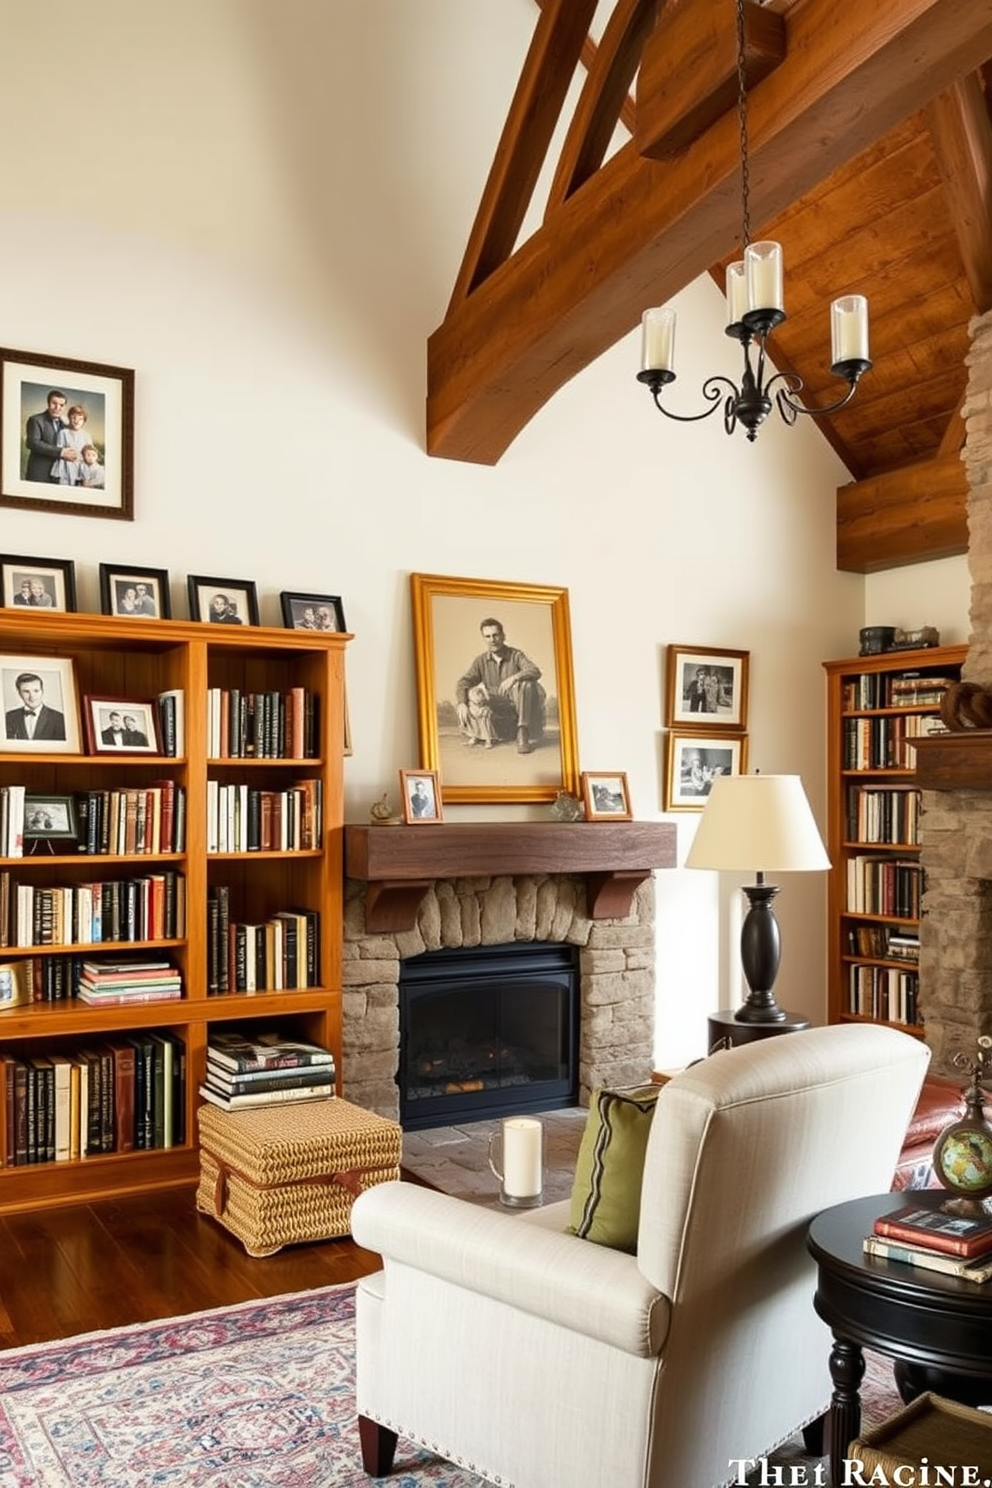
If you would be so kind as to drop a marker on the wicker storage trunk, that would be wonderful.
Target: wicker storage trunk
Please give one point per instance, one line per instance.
(284, 1174)
(928, 1434)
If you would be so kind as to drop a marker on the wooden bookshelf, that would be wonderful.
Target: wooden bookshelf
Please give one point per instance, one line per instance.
(138, 659)
(878, 708)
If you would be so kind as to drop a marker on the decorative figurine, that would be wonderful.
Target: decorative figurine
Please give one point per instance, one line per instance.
(962, 1155)
(566, 808)
(381, 813)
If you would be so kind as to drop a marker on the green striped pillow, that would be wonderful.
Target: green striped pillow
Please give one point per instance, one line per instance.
(606, 1192)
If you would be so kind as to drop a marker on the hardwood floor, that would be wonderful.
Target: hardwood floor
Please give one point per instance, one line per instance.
(119, 1261)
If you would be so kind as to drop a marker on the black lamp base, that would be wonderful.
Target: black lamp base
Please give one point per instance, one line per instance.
(761, 951)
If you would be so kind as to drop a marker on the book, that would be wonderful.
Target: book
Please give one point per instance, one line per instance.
(978, 1270)
(953, 1234)
(238, 1051)
(253, 1081)
(266, 1097)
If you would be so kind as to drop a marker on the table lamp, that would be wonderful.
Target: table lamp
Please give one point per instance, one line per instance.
(758, 824)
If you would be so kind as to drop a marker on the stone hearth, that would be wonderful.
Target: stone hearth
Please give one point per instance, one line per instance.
(616, 964)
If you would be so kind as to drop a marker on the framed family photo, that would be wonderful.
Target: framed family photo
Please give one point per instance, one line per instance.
(312, 611)
(121, 726)
(693, 763)
(223, 601)
(50, 818)
(706, 688)
(605, 795)
(140, 592)
(495, 697)
(66, 435)
(37, 583)
(38, 713)
(421, 792)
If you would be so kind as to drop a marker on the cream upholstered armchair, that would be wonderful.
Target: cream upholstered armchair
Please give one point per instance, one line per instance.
(538, 1359)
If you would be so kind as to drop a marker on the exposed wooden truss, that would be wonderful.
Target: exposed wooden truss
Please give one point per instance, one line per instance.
(871, 154)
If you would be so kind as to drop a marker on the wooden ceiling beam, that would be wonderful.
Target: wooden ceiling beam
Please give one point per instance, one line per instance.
(906, 516)
(962, 140)
(639, 231)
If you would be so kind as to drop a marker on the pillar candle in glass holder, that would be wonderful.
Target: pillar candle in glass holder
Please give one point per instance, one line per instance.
(522, 1165)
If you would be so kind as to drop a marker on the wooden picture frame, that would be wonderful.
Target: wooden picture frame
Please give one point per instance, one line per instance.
(693, 761)
(606, 796)
(320, 612)
(50, 818)
(135, 592)
(32, 584)
(45, 682)
(121, 725)
(15, 984)
(222, 601)
(471, 738)
(706, 688)
(41, 461)
(421, 794)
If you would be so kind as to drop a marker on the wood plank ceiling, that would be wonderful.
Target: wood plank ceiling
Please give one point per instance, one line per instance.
(870, 148)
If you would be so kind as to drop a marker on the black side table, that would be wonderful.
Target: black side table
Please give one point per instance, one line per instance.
(938, 1328)
(724, 1030)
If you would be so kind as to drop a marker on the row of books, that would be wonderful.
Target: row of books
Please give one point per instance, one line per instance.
(908, 689)
(152, 907)
(243, 1072)
(241, 818)
(885, 886)
(124, 1095)
(886, 743)
(262, 725)
(884, 992)
(883, 814)
(882, 943)
(277, 954)
(152, 820)
(111, 983)
(934, 1240)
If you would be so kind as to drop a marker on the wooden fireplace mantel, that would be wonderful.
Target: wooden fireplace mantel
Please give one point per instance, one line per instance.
(955, 761)
(399, 863)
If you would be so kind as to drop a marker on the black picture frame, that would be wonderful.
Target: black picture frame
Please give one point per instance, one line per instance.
(50, 818)
(21, 576)
(152, 599)
(29, 444)
(295, 606)
(205, 592)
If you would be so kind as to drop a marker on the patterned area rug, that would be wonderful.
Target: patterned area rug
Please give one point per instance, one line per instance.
(256, 1396)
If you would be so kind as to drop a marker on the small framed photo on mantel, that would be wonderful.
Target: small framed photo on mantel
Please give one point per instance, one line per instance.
(421, 791)
(605, 796)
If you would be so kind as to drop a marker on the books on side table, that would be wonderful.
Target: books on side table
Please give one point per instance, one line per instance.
(244, 1072)
(934, 1240)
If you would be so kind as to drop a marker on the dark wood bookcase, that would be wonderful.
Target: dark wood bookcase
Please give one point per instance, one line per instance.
(876, 707)
(138, 659)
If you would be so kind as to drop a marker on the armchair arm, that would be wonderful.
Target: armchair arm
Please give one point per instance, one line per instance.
(581, 1286)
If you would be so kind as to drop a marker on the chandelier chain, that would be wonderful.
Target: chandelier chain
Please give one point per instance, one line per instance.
(742, 115)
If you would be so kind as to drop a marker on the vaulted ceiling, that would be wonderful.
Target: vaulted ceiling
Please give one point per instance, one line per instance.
(870, 160)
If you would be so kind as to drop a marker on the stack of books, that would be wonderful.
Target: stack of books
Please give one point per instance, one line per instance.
(934, 1240)
(108, 982)
(249, 1070)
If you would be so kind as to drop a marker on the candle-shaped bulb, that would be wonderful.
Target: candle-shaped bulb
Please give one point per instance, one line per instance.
(763, 269)
(849, 329)
(736, 292)
(658, 341)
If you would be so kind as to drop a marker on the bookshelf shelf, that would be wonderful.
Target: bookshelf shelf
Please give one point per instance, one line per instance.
(124, 658)
(872, 826)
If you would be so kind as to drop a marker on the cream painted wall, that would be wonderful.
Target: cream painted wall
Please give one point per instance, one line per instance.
(260, 205)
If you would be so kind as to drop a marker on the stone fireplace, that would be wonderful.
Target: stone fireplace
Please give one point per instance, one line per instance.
(955, 771)
(411, 890)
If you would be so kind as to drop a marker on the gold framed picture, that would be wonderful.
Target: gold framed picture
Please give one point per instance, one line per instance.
(605, 795)
(706, 688)
(693, 763)
(495, 696)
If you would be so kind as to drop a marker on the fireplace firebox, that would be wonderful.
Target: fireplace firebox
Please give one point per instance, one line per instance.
(487, 1031)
